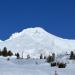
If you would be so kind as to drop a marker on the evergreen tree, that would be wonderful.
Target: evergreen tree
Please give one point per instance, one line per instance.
(4, 52)
(72, 55)
(62, 65)
(17, 55)
(44, 57)
(53, 56)
(41, 56)
(49, 59)
(10, 53)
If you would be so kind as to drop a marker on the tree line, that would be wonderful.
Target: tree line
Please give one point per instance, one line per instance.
(5, 52)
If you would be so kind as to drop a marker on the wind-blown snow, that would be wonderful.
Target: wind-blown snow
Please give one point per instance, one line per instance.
(35, 41)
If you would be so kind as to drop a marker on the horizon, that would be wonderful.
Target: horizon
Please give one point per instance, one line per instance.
(34, 28)
(56, 17)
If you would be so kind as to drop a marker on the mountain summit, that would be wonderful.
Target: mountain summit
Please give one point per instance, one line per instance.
(35, 41)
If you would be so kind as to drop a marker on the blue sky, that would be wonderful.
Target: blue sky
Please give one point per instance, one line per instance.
(55, 16)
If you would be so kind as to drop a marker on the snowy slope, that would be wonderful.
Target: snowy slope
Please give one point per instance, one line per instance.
(23, 67)
(36, 40)
(29, 67)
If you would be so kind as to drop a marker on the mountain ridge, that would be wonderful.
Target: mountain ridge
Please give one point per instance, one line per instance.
(36, 40)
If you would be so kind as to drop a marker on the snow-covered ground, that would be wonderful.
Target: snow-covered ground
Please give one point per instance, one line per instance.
(24, 67)
(33, 67)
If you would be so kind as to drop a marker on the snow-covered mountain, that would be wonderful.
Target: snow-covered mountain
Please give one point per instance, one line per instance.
(35, 41)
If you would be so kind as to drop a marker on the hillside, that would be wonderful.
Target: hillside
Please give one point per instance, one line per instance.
(35, 41)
